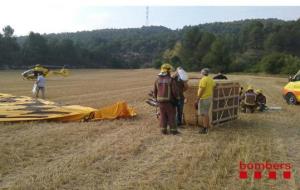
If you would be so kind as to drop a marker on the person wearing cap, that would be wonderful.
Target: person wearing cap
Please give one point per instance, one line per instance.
(204, 98)
(166, 94)
(249, 100)
(182, 87)
(260, 100)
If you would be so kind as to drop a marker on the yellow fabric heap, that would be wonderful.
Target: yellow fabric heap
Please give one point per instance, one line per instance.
(23, 108)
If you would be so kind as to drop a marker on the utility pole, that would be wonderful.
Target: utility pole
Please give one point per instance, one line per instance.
(147, 16)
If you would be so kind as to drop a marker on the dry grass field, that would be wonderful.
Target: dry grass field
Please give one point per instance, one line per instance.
(132, 154)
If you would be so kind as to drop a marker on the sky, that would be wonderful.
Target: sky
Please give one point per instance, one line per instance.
(68, 17)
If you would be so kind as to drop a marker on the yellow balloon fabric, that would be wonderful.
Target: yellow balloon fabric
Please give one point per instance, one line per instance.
(23, 108)
(118, 110)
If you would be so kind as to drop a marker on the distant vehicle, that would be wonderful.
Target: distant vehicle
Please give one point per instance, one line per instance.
(291, 91)
(47, 71)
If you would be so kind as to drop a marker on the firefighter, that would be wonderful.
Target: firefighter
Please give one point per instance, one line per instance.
(249, 100)
(260, 100)
(167, 96)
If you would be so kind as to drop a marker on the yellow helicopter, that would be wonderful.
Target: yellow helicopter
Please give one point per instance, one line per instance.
(46, 71)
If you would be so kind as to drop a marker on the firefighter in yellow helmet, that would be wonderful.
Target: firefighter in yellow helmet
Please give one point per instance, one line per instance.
(166, 68)
(249, 100)
(167, 96)
(261, 100)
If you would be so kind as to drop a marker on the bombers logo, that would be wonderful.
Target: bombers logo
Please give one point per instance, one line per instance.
(273, 170)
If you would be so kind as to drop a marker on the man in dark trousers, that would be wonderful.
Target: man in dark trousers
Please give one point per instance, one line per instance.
(167, 96)
(40, 85)
(182, 87)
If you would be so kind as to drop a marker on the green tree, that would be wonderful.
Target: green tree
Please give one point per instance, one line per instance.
(35, 50)
(8, 31)
(256, 35)
(291, 66)
(273, 63)
(218, 57)
(9, 49)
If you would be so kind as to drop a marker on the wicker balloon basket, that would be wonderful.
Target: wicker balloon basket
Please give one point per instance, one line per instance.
(224, 107)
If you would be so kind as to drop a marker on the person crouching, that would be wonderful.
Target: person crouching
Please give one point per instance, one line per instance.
(261, 100)
(249, 100)
(167, 96)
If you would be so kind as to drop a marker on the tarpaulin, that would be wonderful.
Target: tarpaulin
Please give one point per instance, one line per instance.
(23, 108)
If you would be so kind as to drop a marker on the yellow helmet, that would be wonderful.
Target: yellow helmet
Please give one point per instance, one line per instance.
(250, 88)
(258, 91)
(166, 68)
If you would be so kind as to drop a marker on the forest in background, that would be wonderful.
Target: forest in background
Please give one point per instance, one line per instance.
(257, 45)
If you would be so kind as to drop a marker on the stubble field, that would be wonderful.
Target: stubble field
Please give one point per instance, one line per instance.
(132, 154)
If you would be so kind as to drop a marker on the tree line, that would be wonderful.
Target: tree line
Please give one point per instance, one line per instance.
(270, 46)
(109, 48)
(258, 45)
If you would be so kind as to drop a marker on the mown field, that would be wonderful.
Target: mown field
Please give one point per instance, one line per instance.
(132, 154)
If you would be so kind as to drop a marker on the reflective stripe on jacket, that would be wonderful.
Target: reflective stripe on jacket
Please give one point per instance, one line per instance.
(165, 89)
(250, 98)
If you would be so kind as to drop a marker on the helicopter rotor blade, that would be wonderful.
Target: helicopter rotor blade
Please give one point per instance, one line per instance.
(49, 66)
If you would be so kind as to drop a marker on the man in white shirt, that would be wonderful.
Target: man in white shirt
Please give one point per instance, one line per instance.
(40, 85)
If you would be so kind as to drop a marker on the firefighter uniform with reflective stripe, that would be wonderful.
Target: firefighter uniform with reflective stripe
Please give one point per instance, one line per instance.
(261, 100)
(166, 93)
(249, 100)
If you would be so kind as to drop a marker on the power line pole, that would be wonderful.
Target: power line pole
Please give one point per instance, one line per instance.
(147, 16)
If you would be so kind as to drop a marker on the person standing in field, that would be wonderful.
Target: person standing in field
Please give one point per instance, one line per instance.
(40, 85)
(181, 82)
(204, 98)
(167, 96)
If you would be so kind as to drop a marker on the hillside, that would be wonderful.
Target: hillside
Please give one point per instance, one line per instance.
(253, 45)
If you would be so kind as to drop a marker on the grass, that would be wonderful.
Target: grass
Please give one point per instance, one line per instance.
(132, 154)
